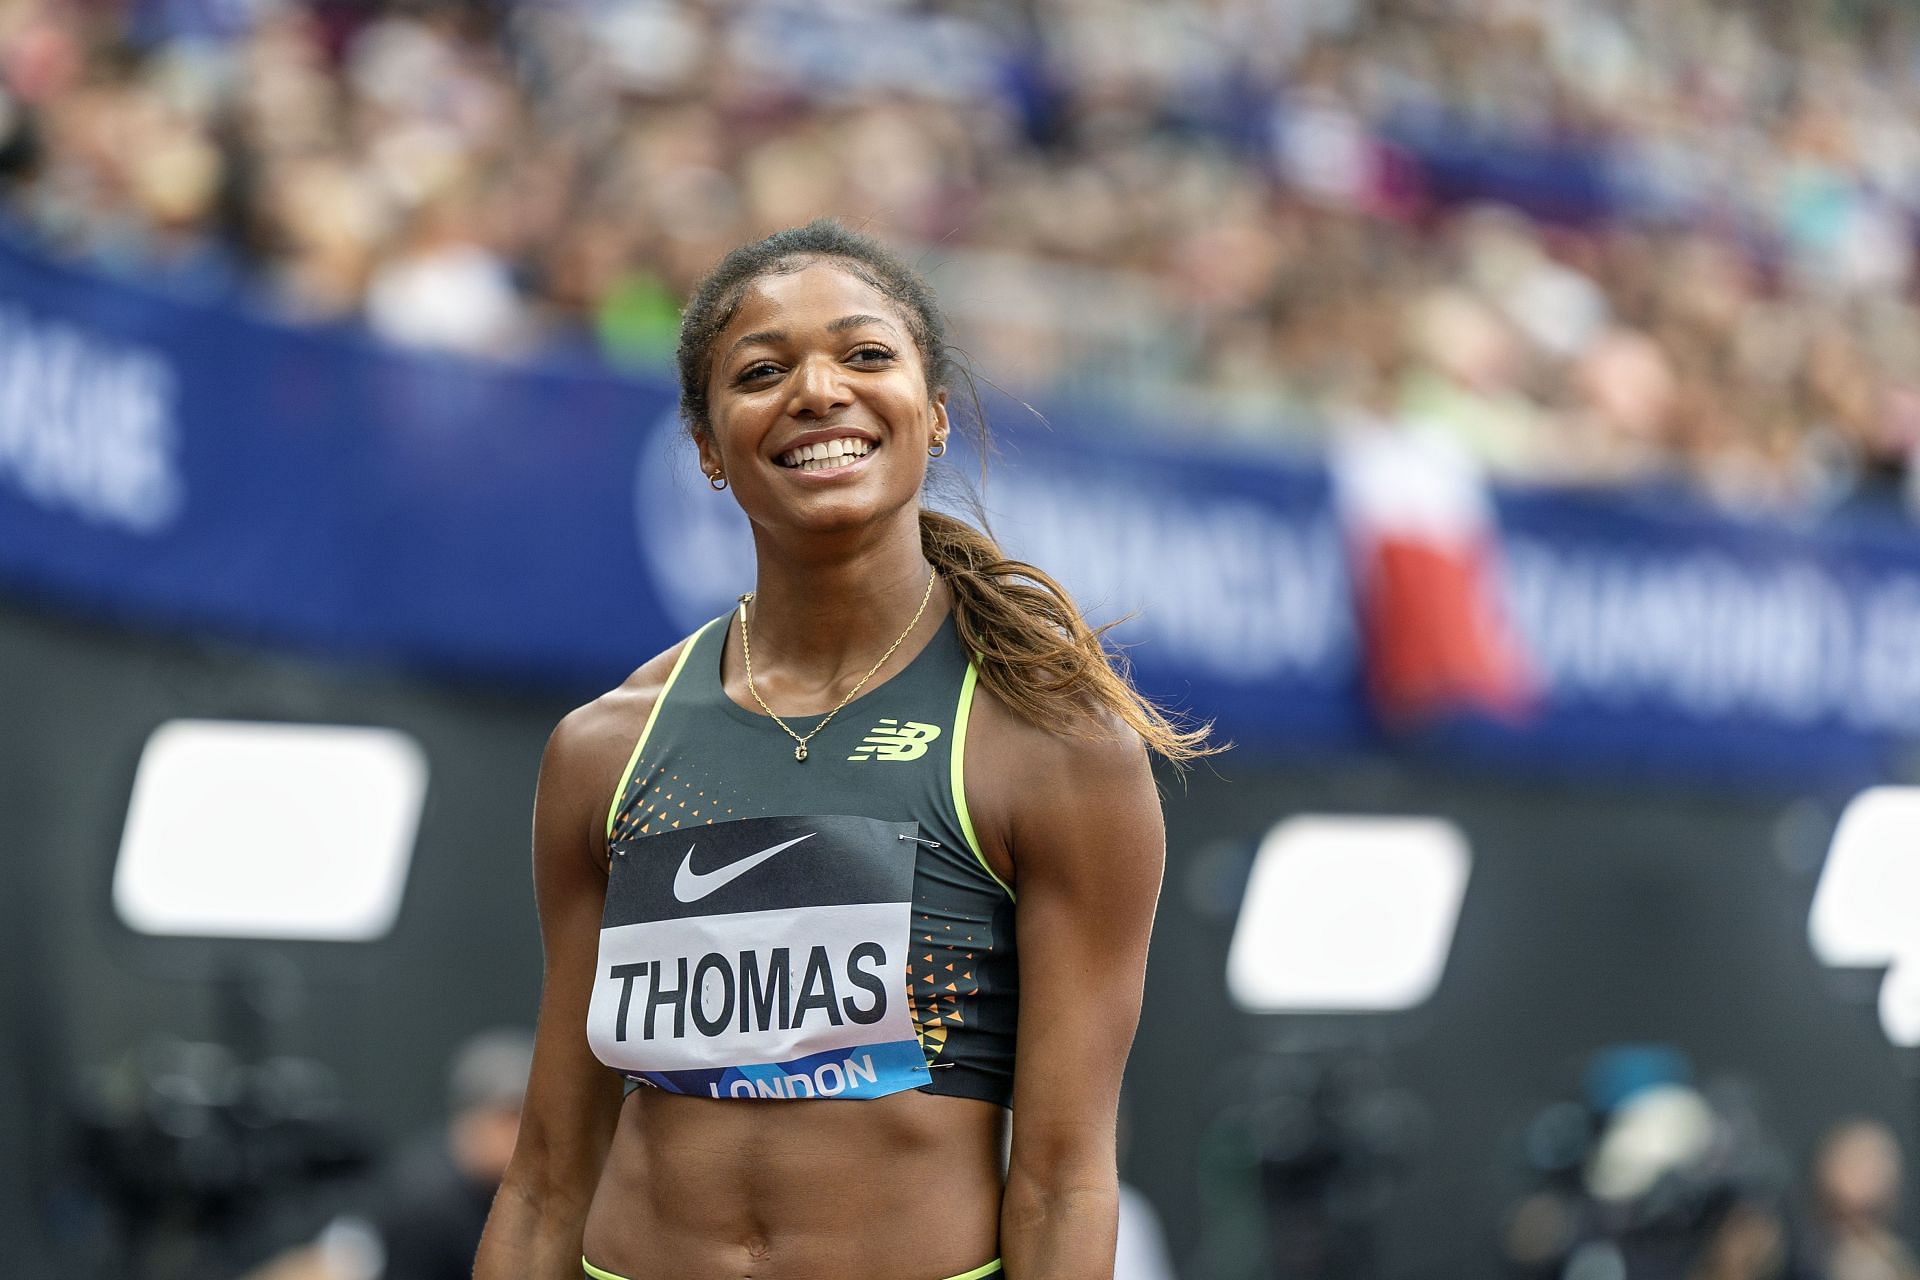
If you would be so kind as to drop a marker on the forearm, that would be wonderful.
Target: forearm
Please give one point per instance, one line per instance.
(1055, 1230)
(530, 1236)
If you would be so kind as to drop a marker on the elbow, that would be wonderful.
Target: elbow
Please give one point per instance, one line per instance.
(543, 1179)
(1085, 1189)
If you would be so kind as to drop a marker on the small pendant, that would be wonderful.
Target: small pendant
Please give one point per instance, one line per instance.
(800, 752)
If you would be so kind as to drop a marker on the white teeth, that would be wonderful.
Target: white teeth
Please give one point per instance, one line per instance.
(828, 464)
(815, 457)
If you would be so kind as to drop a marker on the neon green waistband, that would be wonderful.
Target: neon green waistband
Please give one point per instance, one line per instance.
(990, 1269)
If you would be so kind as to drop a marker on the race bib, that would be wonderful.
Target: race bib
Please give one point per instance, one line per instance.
(761, 958)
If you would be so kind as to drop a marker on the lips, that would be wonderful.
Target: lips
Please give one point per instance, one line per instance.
(828, 455)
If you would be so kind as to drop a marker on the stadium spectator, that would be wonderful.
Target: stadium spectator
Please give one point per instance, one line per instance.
(1602, 243)
(429, 1225)
(1855, 1194)
(421, 1218)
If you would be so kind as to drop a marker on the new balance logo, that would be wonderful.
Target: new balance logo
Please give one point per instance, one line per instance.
(891, 740)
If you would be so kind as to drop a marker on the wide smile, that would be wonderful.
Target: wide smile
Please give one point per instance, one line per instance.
(839, 454)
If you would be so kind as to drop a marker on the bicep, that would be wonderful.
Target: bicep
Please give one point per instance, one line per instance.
(1088, 855)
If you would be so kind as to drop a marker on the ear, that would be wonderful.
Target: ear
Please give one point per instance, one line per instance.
(709, 455)
(941, 427)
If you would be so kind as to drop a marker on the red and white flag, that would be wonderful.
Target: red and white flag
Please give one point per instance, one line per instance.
(1423, 548)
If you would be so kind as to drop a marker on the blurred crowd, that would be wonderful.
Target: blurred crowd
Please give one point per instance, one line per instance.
(1653, 1178)
(1598, 241)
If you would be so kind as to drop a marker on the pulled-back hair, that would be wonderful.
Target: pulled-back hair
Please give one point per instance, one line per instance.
(1030, 644)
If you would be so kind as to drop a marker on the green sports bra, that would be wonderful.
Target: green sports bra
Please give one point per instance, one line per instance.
(826, 928)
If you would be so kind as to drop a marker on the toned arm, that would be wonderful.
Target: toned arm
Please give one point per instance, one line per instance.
(1079, 825)
(573, 1102)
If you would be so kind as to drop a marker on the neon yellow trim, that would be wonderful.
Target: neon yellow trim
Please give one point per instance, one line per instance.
(957, 772)
(991, 1269)
(646, 731)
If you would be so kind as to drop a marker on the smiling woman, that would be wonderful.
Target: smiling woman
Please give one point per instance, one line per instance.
(777, 868)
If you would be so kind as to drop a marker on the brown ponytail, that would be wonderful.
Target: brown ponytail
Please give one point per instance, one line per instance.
(1031, 646)
(1035, 651)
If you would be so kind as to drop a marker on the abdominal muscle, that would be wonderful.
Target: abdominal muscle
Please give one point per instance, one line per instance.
(905, 1187)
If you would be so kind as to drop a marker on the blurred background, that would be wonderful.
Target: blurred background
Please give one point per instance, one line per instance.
(1499, 416)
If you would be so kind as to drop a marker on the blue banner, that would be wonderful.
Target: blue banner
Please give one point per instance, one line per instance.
(182, 466)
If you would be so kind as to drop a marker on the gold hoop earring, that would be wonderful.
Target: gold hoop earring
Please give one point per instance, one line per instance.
(717, 482)
(937, 449)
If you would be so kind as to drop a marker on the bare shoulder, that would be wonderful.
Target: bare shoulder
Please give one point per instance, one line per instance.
(1029, 784)
(1099, 751)
(587, 730)
(588, 750)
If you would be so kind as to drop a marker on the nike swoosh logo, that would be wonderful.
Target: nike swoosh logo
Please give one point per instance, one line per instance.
(691, 886)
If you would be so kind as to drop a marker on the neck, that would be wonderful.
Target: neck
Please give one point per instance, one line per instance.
(826, 609)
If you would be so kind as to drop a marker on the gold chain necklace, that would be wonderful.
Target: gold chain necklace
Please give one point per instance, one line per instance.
(746, 649)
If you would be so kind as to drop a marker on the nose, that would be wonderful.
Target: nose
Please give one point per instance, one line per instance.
(819, 388)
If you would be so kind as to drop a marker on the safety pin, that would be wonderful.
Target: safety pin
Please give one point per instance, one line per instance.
(931, 844)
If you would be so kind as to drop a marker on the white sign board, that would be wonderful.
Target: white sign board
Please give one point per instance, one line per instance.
(251, 830)
(1348, 914)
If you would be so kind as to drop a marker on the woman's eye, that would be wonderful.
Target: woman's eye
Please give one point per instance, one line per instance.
(756, 371)
(871, 355)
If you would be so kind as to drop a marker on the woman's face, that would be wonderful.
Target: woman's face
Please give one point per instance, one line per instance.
(818, 405)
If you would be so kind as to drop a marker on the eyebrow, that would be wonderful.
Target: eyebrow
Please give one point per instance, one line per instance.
(841, 325)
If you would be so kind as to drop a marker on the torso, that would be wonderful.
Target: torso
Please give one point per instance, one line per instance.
(905, 1187)
(701, 1184)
